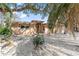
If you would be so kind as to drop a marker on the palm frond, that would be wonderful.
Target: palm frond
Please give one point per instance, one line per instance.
(57, 10)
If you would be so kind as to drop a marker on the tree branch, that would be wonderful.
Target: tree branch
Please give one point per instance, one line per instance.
(24, 8)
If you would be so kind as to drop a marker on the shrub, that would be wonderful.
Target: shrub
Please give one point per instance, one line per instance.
(38, 40)
(5, 31)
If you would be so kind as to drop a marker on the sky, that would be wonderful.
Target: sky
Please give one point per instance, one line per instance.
(28, 18)
(20, 16)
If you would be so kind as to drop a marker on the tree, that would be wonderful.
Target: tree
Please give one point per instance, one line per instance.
(6, 10)
(7, 13)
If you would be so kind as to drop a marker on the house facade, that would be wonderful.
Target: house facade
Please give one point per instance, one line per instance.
(28, 27)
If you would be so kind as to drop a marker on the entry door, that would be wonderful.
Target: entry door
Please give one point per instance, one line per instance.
(38, 27)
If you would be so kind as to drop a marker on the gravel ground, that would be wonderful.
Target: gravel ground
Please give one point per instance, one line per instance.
(55, 45)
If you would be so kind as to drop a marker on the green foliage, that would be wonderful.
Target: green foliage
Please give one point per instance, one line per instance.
(5, 31)
(38, 40)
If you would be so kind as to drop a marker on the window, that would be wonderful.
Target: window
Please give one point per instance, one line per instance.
(24, 27)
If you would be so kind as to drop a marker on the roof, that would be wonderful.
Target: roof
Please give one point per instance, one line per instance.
(37, 21)
(15, 24)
